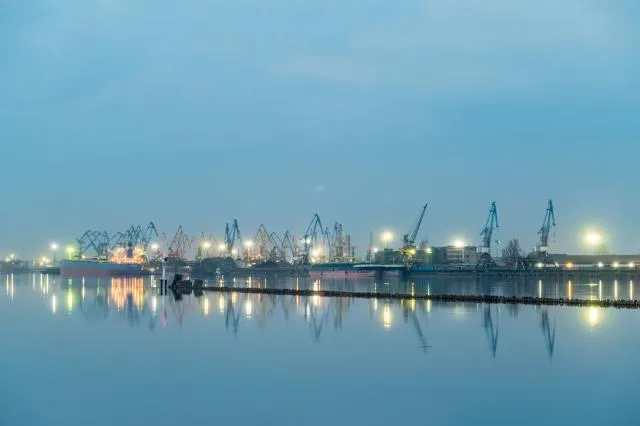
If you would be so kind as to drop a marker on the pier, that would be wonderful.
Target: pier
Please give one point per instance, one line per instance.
(453, 298)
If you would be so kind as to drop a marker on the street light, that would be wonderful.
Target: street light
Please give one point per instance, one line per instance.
(593, 239)
(460, 245)
(70, 251)
(54, 248)
(387, 237)
(206, 245)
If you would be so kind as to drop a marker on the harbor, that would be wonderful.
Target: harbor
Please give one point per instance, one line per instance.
(324, 252)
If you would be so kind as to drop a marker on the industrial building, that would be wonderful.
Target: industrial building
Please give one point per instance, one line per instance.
(451, 254)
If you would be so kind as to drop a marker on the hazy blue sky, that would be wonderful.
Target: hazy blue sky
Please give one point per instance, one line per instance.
(117, 112)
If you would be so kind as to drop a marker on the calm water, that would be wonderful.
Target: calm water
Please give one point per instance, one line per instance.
(112, 352)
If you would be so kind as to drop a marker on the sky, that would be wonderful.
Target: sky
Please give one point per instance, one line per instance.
(115, 113)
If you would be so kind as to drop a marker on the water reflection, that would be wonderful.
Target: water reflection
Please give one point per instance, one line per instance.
(136, 302)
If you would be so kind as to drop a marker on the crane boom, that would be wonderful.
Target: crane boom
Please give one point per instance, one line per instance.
(548, 223)
(489, 228)
(409, 238)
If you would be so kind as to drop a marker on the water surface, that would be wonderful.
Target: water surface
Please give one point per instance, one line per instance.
(113, 352)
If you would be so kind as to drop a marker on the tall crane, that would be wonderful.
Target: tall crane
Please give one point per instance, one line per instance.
(409, 239)
(548, 223)
(491, 225)
(231, 235)
(313, 239)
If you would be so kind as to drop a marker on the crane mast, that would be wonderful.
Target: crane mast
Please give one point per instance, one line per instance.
(491, 225)
(409, 239)
(548, 223)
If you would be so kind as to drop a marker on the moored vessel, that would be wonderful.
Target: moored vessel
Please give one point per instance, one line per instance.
(338, 270)
(99, 268)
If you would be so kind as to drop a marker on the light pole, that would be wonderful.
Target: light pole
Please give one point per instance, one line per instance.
(387, 237)
(206, 246)
(54, 248)
(460, 245)
(248, 244)
(593, 240)
(70, 251)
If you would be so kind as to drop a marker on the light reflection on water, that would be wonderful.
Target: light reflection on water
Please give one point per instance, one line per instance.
(446, 358)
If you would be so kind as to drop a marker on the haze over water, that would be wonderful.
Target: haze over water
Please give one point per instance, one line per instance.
(114, 352)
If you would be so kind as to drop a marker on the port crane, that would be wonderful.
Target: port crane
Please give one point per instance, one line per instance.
(265, 248)
(409, 239)
(549, 222)
(314, 239)
(180, 245)
(485, 260)
(231, 235)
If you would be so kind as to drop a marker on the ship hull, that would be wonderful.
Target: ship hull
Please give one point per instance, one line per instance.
(340, 270)
(341, 274)
(90, 268)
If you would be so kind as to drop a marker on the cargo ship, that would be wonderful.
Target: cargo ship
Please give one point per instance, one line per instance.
(99, 268)
(338, 270)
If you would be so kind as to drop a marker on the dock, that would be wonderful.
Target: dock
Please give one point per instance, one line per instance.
(452, 298)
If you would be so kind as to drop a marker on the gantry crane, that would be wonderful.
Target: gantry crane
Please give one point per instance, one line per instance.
(485, 260)
(409, 239)
(549, 222)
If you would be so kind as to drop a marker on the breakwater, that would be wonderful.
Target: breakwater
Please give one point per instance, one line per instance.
(453, 298)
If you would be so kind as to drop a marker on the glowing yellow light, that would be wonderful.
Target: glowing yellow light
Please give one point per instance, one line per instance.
(615, 264)
(376, 249)
(387, 236)
(54, 304)
(248, 243)
(69, 301)
(155, 246)
(205, 306)
(387, 319)
(248, 308)
(459, 244)
(411, 305)
(54, 246)
(631, 265)
(429, 250)
(206, 245)
(600, 265)
(569, 265)
(593, 238)
(594, 316)
(221, 304)
(539, 265)
(154, 304)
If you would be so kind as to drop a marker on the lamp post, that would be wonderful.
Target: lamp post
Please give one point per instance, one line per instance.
(386, 237)
(460, 245)
(206, 245)
(54, 248)
(593, 240)
(70, 252)
(248, 244)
